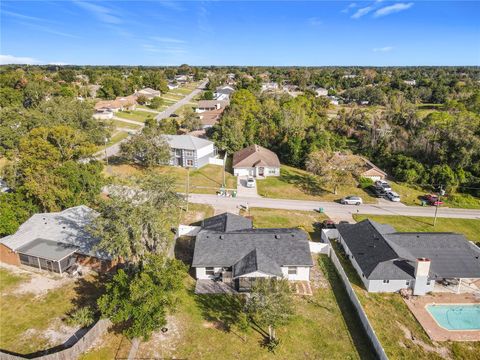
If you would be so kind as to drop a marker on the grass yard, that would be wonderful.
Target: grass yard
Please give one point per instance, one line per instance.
(276, 218)
(3, 163)
(124, 125)
(135, 115)
(26, 316)
(396, 327)
(206, 180)
(469, 227)
(299, 184)
(196, 213)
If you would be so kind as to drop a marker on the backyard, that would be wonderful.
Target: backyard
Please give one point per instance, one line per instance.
(33, 308)
(468, 227)
(207, 180)
(401, 335)
(135, 115)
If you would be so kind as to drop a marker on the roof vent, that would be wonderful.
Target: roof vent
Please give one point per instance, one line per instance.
(221, 236)
(277, 236)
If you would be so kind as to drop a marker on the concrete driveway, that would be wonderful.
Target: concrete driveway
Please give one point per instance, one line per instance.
(243, 190)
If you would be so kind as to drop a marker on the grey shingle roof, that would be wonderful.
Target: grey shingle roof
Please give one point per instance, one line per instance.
(68, 227)
(254, 261)
(47, 249)
(186, 142)
(383, 253)
(227, 222)
(224, 249)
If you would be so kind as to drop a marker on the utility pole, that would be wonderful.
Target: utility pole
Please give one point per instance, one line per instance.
(106, 155)
(441, 192)
(224, 164)
(188, 184)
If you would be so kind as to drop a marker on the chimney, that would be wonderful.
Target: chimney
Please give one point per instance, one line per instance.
(422, 269)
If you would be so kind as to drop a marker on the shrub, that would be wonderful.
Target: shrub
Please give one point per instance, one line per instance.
(365, 182)
(82, 317)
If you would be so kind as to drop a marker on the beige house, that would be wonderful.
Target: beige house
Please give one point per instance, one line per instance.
(119, 104)
(256, 161)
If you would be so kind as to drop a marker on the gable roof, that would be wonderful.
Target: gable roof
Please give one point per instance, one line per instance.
(255, 155)
(383, 253)
(186, 142)
(225, 90)
(255, 261)
(227, 222)
(224, 249)
(67, 227)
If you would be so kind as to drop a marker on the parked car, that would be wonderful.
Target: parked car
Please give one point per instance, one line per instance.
(433, 200)
(378, 191)
(250, 182)
(383, 184)
(328, 224)
(351, 200)
(393, 196)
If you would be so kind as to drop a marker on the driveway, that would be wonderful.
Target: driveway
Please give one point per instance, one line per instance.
(243, 190)
(332, 209)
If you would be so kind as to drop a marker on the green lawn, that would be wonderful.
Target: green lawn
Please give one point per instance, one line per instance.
(276, 218)
(135, 115)
(206, 180)
(299, 184)
(196, 213)
(389, 314)
(469, 227)
(125, 125)
(24, 316)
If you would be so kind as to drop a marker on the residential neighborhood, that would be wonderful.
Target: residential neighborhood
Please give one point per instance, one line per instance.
(260, 195)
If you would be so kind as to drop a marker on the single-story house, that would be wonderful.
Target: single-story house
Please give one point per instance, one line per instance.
(256, 161)
(269, 86)
(223, 92)
(181, 78)
(190, 151)
(103, 114)
(210, 118)
(172, 85)
(389, 261)
(229, 250)
(321, 91)
(367, 169)
(209, 105)
(55, 242)
(119, 104)
(149, 93)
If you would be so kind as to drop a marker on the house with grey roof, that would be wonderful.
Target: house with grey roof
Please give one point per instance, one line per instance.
(54, 241)
(228, 250)
(389, 261)
(190, 151)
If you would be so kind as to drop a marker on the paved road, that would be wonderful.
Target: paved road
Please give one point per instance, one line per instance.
(171, 109)
(334, 210)
(115, 148)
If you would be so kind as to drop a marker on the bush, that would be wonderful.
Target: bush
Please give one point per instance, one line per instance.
(82, 317)
(365, 182)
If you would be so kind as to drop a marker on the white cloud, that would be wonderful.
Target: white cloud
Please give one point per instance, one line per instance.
(167, 40)
(314, 21)
(383, 49)
(59, 63)
(362, 12)
(10, 59)
(391, 9)
(351, 6)
(102, 13)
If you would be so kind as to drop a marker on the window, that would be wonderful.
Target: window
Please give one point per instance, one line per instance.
(292, 270)
(271, 171)
(178, 152)
(209, 271)
(428, 282)
(189, 153)
(386, 281)
(407, 283)
(189, 162)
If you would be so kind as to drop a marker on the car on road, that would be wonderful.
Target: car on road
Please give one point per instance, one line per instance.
(351, 200)
(378, 191)
(383, 184)
(433, 200)
(393, 196)
(250, 182)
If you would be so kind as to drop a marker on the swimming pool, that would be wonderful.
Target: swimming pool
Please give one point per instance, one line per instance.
(456, 316)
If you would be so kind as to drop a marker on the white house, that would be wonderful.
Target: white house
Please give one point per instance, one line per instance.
(209, 105)
(389, 261)
(223, 92)
(256, 161)
(269, 86)
(229, 250)
(149, 93)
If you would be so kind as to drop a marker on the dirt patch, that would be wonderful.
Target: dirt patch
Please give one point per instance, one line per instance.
(440, 350)
(218, 325)
(162, 344)
(317, 278)
(57, 333)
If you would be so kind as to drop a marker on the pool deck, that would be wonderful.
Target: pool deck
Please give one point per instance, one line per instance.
(417, 306)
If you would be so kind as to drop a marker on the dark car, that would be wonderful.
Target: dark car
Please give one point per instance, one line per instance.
(378, 191)
(328, 224)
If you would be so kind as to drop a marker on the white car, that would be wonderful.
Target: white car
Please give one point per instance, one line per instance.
(385, 185)
(352, 200)
(393, 196)
(250, 182)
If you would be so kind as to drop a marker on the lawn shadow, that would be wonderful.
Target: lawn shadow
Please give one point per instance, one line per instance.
(183, 251)
(221, 308)
(309, 184)
(349, 314)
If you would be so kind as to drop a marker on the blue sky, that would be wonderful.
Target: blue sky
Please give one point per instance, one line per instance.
(241, 32)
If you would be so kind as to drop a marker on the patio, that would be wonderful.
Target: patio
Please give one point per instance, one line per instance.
(206, 286)
(417, 306)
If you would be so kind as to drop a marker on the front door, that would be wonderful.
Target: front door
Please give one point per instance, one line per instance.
(261, 171)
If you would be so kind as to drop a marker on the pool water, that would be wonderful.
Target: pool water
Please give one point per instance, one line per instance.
(456, 317)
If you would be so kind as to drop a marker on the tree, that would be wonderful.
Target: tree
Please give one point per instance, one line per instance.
(208, 95)
(136, 221)
(140, 297)
(148, 148)
(142, 99)
(270, 304)
(14, 211)
(156, 103)
(191, 120)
